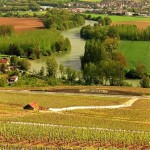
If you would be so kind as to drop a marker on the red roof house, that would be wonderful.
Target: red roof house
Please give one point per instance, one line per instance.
(32, 106)
(13, 79)
(3, 61)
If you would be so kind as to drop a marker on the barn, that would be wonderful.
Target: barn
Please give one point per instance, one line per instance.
(32, 106)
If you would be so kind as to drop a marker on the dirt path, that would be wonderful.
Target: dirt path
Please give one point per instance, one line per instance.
(126, 104)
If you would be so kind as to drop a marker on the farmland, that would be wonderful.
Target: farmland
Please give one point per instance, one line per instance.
(140, 22)
(136, 51)
(123, 18)
(131, 118)
(78, 128)
(22, 23)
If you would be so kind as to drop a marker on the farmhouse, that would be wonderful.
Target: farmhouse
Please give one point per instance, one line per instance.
(13, 79)
(32, 106)
(4, 61)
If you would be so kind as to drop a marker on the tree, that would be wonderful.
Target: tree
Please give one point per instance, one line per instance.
(145, 82)
(62, 70)
(71, 74)
(90, 73)
(3, 67)
(24, 64)
(14, 50)
(13, 60)
(111, 44)
(37, 52)
(52, 67)
(107, 20)
(42, 71)
(140, 69)
(101, 21)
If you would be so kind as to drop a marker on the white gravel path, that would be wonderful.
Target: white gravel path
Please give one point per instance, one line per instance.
(126, 104)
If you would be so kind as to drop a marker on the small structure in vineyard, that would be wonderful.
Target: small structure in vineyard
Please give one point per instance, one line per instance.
(13, 79)
(32, 106)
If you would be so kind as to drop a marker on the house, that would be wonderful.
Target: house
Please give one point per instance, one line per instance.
(32, 106)
(13, 79)
(4, 61)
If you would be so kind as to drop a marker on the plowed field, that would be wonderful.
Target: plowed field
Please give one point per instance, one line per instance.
(139, 24)
(21, 23)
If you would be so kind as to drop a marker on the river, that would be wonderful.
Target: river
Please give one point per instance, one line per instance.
(71, 58)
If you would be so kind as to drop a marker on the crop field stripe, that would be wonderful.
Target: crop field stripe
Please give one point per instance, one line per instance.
(75, 127)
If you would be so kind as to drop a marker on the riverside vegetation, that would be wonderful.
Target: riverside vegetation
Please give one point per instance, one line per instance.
(103, 41)
(109, 66)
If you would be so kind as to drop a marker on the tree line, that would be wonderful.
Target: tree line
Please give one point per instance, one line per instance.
(125, 32)
(62, 19)
(32, 44)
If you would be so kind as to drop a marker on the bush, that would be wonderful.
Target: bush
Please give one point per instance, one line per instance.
(145, 82)
(3, 82)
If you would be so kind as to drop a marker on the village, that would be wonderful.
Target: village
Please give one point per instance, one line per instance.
(118, 7)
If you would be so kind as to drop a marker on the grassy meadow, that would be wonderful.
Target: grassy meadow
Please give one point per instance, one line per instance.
(122, 18)
(136, 51)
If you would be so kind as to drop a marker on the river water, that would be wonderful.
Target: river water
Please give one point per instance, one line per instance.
(71, 58)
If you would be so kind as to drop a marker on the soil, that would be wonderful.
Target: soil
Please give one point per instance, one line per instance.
(67, 145)
(139, 24)
(21, 24)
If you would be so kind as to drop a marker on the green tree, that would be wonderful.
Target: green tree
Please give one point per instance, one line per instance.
(140, 70)
(42, 71)
(71, 74)
(3, 68)
(24, 64)
(145, 82)
(52, 67)
(108, 20)
(111, 44)
(90, 73)
(62, 70)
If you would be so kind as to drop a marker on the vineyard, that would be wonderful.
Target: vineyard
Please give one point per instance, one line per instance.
(93, 129)
(37, 136)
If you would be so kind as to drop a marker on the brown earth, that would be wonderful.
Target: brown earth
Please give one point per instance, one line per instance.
(49, 143)
(21, 24)
(139, 24)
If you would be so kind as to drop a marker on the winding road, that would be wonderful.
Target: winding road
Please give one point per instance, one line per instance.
(129, 103)
(126, 104)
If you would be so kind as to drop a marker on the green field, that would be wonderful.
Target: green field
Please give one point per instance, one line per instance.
(136, 51)
(123, 18)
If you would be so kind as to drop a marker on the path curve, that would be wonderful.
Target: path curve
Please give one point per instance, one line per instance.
(126, 104)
